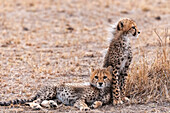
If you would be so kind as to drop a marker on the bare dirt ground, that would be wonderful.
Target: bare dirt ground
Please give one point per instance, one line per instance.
(51, 41)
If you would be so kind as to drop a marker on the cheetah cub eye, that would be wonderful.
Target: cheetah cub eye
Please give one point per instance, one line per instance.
(133, 27)
(104, 77)
(96, 77)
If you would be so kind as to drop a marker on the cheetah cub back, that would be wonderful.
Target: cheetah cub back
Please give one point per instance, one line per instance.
(119, 56)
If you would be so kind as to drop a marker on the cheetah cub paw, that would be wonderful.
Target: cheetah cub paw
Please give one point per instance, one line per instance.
(117, 102)
(126, 99)
(96, 104)
(85, 108)
(36, 106)
(49, 104)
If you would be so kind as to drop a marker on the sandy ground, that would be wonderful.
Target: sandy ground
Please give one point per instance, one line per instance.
(49, 41)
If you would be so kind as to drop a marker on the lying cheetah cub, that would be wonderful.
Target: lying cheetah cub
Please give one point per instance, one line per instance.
(119, 56)
(84, 98)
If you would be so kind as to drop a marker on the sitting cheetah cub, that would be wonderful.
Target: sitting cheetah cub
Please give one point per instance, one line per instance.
(84, 98)
(119, 56)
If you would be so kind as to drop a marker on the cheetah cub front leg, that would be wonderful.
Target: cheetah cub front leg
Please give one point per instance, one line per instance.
(80, 104)
(116, 90)
(84, 107)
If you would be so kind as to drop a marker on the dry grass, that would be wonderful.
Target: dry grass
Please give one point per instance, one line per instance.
(149, 80)
(53, 41)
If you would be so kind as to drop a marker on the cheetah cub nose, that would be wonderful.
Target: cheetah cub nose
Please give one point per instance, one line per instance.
(100, 84)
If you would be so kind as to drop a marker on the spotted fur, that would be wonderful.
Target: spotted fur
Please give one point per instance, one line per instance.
(94, 95)
(119, 56)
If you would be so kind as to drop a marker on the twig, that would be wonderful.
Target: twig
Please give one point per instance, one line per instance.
(160, 40)
(166, 92)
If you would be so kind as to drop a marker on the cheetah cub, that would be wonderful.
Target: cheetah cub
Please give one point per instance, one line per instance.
(84, 98)
(119, 56)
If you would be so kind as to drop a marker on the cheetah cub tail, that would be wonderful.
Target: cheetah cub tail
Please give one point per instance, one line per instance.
(16, 101)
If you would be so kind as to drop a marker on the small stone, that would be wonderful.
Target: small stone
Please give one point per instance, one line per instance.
(124, 12)
(158, 18)
(70, 29)
(109, 20)
(25, 29)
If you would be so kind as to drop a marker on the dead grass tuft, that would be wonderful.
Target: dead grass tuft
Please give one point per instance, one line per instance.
(149, 80)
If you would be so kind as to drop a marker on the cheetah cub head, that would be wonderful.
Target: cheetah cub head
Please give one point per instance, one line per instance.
(127, 27)
(101, 78)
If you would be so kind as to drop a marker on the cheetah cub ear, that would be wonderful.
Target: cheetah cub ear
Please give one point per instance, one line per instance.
(91, 70)
(110, 69)
(120, 26)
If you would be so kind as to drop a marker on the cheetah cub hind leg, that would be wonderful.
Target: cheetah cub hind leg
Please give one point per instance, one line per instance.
(36, 106)
(44, 104)
(51, 104)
